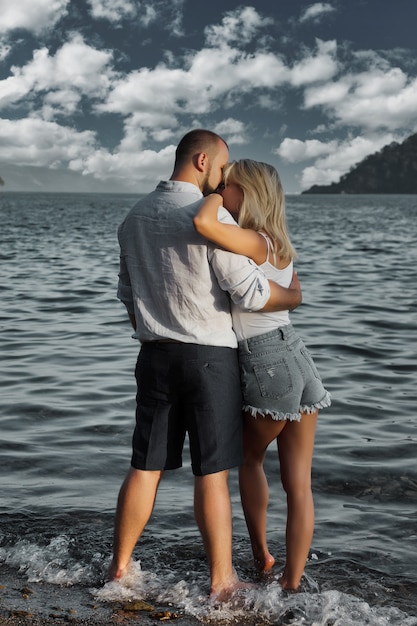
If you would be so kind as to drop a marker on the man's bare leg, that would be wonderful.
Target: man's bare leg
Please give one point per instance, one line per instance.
(134, 508)
(213, 513)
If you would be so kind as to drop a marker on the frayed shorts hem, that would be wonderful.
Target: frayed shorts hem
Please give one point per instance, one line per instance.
(289, 417)
(323, 404)
(278, 417)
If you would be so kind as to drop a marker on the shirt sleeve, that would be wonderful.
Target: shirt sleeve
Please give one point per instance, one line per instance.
(124, 288)
(224, 216)
(240, 276)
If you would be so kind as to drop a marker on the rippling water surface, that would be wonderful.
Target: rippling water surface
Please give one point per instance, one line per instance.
(67, 410)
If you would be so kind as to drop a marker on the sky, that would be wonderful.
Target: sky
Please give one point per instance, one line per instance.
(95, 94)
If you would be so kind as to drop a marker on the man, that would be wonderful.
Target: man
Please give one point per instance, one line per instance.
(176, 287)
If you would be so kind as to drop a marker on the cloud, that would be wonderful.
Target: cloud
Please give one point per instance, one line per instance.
(233, 131)
(209, 80)
(374, 99)
(317, 11)
(112, 10)
(317, 67)
(217, 76)
(139, 169)
(148, 15)
(327, 95)
(33, 141)
(238, 27)
(168, 13)
(175, 9)
(201, 82)
(32, 15)
(62, 102)
(48, 144)
(137, 131)
(295, 150)
(4, 50)
(76, 67)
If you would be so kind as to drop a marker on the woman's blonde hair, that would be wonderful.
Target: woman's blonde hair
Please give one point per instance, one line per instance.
(263, 205)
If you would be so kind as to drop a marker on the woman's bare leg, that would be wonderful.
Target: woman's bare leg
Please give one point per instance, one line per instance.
(295, 449)
(257, 435)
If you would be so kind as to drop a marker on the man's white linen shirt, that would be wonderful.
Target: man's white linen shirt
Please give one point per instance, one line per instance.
(174, 281)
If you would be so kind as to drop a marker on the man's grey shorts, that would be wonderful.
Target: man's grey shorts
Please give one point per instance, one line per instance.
(279, 377)
(187, 388)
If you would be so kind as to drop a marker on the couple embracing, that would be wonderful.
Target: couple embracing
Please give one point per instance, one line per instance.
(206, 275)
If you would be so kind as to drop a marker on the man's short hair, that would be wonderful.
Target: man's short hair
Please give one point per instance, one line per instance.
(197, 141)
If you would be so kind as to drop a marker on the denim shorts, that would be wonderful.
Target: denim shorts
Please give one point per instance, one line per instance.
(279, 377)
(187, 388)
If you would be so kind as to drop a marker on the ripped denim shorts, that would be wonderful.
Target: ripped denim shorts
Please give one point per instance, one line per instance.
(279, 377)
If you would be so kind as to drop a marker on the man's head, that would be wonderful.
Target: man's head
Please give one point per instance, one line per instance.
(200, 158)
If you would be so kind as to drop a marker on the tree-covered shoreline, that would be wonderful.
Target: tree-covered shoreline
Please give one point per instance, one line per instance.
(391, 170)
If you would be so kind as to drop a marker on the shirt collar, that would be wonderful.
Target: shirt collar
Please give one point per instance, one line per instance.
(179, 186)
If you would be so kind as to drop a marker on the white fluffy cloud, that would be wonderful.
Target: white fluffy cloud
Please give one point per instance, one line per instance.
(317, 11)
(132, 168)
(214, 78)
(233, 131)
(47, 144)
(237, 27)
(212, 73)
(295, 150)
(33, 141)
(316, 67)
(32, 15)
(76, 67)
(370, 100)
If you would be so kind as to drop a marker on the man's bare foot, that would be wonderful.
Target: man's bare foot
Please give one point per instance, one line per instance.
(265, 563)
(287, 584)
(116, 573)
(229, 592)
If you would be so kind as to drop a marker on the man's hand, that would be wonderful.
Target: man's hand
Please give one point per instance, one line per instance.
(281, 298)
(295, 284)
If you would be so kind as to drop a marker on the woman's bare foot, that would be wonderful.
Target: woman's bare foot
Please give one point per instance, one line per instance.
(264, 563)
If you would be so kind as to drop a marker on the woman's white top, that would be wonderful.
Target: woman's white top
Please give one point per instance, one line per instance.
(251, 323)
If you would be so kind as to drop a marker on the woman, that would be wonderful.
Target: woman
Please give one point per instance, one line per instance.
(282, 390)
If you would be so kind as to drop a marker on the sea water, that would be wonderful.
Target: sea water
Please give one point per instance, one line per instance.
(67, 413)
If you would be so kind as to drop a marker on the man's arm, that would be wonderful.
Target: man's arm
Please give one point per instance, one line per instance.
(270, 296)
(283, 298)
(245, 282)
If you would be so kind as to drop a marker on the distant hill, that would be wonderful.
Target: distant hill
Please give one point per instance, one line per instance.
(391, 170)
